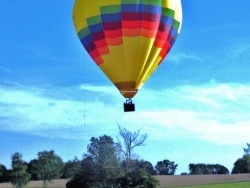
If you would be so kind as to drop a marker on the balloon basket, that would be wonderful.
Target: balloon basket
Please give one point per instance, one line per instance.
(129, 106)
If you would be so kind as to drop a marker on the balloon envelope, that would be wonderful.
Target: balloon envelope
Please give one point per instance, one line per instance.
(127, 39)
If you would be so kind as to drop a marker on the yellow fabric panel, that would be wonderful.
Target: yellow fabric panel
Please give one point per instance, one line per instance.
(154, 53)
(115, 62)
(108, 68)
(153, 68)
(130, 45)
(171, 4)
(109, 2)
(92, 9)
(144, 50)
(78, 16)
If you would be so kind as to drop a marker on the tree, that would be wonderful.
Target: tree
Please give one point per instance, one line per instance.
(140, 165)
(71, 168)
(166, 167)
(201, 168)
(87, 176)
(196, 169)
(247, 150)
(220, 169)
(100, 166)
(240, 166)
(3, 174)
(32, 169)
(130, 140)
(138, 178)
(48, 166)
(105, 153)
(144, 165)
(247, 156)
(18, 177)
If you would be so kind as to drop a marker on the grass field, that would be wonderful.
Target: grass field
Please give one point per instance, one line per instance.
(224, 185)
(192, 180)
(186, 181)
(39, 184)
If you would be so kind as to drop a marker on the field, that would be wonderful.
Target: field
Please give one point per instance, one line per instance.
(39, 184)
(186, 181)
(224, 185)
(191, 180)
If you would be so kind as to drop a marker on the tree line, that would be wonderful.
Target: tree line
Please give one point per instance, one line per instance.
(106, 164)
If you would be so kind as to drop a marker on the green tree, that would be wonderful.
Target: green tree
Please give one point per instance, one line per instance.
(32, 169)
(146, 166)
(220, 169)
(87, 177)
(141, 165)
(100, 166)
(3, 174)
(240, 166)
(130, 141)
(138, 178)
(196, 169)
(71, 168)
(201, 168)
(48, 166)
(105, 153)
(166, 167)
(18, 176)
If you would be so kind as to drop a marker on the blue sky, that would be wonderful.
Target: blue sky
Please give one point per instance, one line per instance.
(195, 107)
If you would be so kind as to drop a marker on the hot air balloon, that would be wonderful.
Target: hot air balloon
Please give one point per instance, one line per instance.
(127, 39)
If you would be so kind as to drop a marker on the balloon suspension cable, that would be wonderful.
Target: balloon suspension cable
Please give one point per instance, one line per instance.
(128, 105)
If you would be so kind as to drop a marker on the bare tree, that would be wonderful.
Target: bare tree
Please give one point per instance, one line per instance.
(247, 156)
(131, 140)
(247, 150)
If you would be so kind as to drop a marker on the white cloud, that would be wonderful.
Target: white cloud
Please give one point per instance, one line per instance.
(218, 95)
(237, 48)
(216, 113)
(183, 57)
(102, 89)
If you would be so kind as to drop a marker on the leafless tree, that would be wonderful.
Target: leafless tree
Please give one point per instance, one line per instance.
(130, 140)
(247, 156)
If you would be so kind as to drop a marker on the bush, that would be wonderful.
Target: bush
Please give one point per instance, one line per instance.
(137, 179)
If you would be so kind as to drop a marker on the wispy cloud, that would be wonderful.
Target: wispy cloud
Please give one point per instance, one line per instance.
(101, 89)
(238, 49)
(216, 113)
(182, 57)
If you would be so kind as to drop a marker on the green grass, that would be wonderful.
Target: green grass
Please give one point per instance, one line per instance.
(225, 185)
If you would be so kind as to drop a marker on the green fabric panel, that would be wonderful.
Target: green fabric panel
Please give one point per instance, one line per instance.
(168, 12)
(131, 1)
(154, 2)
(94, 20)
(176, 24)
(83, 33)
(110, 9)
